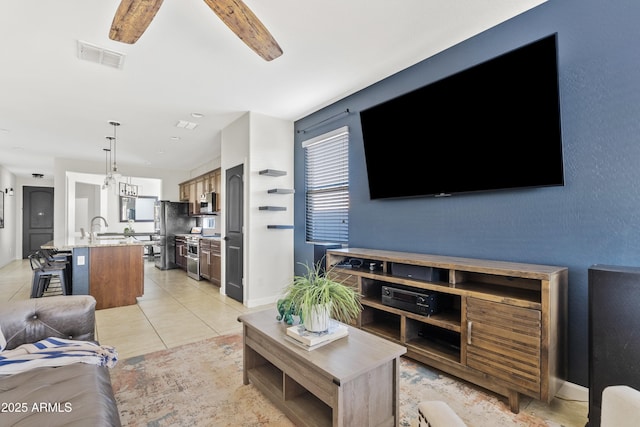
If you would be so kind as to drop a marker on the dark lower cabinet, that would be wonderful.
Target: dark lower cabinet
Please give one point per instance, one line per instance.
(210, 260)
(614, 332)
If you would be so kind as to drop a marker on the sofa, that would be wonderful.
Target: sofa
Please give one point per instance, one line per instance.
(77, 394)
(436, 413)
(620, 406)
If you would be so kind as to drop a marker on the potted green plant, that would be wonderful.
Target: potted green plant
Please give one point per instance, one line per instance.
(316, 298)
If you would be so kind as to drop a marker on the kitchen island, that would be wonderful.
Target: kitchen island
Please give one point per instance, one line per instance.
(110, 271)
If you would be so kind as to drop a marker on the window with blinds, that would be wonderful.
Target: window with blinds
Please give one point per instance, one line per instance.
(326, 166)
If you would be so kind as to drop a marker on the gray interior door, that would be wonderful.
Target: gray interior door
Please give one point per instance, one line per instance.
(37, 218)
(234, 210)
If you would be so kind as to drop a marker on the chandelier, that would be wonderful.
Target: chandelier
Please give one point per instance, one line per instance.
(111, 165)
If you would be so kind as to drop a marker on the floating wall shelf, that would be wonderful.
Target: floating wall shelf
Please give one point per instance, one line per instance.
(272, 172)
(272, 208)
(281, 191)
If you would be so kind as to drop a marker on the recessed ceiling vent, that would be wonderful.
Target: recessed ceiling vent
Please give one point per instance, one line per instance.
(184, 124)
(93, 53)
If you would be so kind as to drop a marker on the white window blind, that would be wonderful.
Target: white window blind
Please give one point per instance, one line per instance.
(327, 187)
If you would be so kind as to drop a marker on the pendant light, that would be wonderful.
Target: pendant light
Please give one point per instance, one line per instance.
(107, 178)
(114, 168)
(111, 166)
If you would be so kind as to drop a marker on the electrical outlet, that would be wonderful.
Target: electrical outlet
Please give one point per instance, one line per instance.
(80, 259)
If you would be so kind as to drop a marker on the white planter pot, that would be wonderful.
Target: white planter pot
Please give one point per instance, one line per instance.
(318, 318)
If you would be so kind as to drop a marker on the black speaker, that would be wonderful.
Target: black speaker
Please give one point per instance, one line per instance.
(614, 332)
(413, 271)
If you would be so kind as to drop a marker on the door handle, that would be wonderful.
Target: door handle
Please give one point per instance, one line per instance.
(225, 238)
(469, 325)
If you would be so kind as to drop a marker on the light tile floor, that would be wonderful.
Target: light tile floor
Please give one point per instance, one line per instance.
(176, 310)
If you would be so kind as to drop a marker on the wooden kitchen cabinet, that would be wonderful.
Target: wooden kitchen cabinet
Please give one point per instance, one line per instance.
(500, 325)
(215, 183)
(184, 192)
(190, 191)
(210, 183)
(215, 264)
(194, 198)
(200, 187)
(210, 260)
(205, 258)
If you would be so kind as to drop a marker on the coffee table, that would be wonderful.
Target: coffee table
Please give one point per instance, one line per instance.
(352, 381)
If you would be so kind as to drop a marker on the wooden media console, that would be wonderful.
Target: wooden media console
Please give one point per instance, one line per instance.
(500, 325)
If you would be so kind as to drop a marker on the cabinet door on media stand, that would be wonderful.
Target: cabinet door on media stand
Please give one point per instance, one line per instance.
(504, 342)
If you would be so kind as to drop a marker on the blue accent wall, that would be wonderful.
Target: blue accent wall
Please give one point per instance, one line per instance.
(80, 272)
(593, 219)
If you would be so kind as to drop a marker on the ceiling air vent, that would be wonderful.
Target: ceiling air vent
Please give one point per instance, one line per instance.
(93, 53)
(184, 124)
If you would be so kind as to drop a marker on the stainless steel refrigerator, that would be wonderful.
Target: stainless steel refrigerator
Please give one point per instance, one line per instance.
(170, 218)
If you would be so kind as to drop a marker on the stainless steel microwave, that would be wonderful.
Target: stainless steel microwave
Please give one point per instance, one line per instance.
(208, 202)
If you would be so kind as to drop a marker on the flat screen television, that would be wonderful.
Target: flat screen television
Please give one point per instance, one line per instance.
(493, 126)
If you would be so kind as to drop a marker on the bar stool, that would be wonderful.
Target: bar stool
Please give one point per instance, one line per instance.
(53, 256)
(44, 273)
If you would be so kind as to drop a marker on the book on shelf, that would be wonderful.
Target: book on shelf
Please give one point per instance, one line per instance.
(308, 347)
(300, 334)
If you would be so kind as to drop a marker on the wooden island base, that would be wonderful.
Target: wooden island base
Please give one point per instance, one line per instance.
(112, 274)
(117, 275)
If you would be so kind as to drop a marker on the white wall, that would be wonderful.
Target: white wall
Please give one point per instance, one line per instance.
(210, 165)
(260, 142)
(234, 151)
(270, 250)
(8, 233)
(87, 204)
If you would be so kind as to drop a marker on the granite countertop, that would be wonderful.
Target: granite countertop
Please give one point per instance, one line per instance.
(216, 237)
(200, 236)
(150, 233)
(84, 243)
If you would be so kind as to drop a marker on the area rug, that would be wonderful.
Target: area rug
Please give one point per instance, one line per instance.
(200, 384)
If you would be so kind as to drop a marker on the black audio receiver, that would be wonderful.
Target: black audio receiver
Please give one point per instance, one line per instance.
(415, 302)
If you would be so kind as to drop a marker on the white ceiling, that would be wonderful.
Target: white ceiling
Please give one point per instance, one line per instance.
(53, 104)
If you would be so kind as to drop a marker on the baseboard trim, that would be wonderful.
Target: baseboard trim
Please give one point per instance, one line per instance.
(571, 391)
(262, 301)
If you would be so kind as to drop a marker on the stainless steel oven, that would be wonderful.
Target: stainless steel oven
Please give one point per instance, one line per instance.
(193, 257)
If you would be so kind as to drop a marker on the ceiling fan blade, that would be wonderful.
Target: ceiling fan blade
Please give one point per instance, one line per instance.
(132, 19)
(242, 21)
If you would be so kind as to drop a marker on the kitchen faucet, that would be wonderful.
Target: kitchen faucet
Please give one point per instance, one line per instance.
(92, 234)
